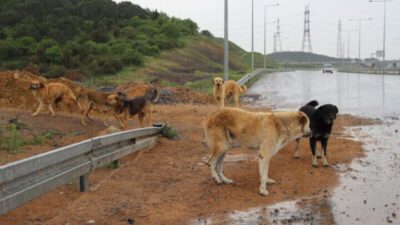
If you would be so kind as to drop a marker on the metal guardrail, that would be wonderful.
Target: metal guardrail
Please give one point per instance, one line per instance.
(24, 180)
(249, 76)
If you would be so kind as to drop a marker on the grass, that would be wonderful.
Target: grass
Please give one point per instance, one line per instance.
(42, 138)
(11, 139)
(169, 132)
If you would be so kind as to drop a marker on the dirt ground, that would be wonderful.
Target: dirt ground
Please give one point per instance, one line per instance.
(170, 184)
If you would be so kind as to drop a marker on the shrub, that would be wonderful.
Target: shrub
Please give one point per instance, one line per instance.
(12, 140)
(132, 56)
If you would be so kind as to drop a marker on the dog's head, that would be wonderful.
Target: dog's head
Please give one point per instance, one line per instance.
(328, 113)
(304, 123)
(36, 85)
(113, 100)
(218, 82)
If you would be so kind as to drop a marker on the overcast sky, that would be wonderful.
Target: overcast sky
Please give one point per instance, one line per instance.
(208, 14)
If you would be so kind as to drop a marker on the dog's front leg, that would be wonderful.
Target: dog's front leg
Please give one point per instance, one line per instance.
(313, 143)
(263, 166)
(38, 109)
(324, 143)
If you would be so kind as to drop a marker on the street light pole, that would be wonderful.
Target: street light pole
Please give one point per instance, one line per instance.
(226, 43)
(265, 32)
(252, 35)
(359, 33)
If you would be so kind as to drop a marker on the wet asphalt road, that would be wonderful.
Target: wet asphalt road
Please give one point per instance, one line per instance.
(369, 192)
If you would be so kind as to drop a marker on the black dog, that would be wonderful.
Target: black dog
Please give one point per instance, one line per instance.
(321, 122)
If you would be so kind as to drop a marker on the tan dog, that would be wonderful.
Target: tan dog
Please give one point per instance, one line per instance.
(219, 91)
(91, 99)
(124, 108)
(52, 93)
(233, 90)
(266, 132)
(224, 91)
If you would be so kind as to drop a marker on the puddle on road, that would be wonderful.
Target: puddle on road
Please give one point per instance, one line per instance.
(306, 211)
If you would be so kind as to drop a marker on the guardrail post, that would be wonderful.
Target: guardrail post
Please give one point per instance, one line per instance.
(83, 183)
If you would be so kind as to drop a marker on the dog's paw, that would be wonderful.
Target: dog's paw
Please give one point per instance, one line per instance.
(296, 155)
(325, 164)
(264, 192)
(271, 181)
(314, 165)
(34, 114)
(227, 181)
(217, 180)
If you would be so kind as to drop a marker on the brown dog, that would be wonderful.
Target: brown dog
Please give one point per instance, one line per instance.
(266, 132)
(52, 93)
(219, 91)
(91, 99)
(224, 91)
(233, 90)
(124, 107)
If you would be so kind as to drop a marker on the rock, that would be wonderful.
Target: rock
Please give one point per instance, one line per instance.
(131, 221)
(91, 222)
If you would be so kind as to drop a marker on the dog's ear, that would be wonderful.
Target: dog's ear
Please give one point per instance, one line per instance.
(223, 81)
(336, 108)
(213, 81)
(41, 85)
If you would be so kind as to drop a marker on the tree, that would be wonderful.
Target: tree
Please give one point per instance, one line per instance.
(54, 54)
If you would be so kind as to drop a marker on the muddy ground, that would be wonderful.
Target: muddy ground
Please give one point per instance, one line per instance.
(170, 184)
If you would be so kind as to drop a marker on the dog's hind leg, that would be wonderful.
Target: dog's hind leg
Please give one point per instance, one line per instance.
(324, 143)
(313, 143)
(263, 166)
(296, 150)
(38, 109)
(220, 169)
(50, 107)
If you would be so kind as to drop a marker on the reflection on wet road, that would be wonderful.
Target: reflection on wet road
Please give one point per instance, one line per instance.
(352, 93)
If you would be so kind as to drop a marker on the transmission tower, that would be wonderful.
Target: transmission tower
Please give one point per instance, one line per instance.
(339, 49)
(275, 43)
(278, 42)
(306, 37)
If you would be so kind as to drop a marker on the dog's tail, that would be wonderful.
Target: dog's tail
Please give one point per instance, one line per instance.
(243, 89)
(313, 103)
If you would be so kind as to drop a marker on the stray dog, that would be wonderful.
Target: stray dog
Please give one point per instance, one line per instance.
(233, 90)
(219, 91)
(266, 132)
(124, 107)
(93, 100)
(225, 90)
(321, 122)
(52, 93)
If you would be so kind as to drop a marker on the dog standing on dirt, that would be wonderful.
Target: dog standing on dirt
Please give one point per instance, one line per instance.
(266, 132)
(224, 91)
(321, 122)
(124, 107)
(93, 100)
(52, 93)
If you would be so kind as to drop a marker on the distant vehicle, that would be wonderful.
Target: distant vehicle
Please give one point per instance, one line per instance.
(327, 68)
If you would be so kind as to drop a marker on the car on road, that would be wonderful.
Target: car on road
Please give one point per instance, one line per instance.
(328, 68)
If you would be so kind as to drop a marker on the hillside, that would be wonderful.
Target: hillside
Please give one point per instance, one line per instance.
(300, 57)
(95, 37)
(101, 42)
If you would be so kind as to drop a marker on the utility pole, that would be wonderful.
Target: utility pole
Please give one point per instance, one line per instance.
(226, 44)
(252, 35)
(359, 33)
(348, 42)
(384, 29)
(265, 32)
